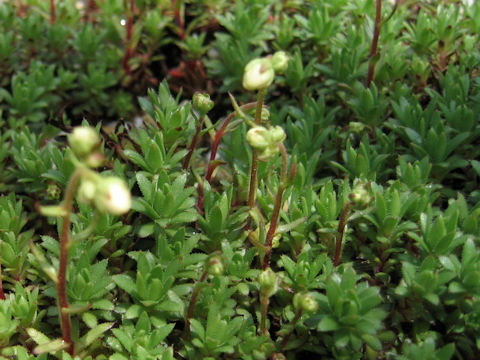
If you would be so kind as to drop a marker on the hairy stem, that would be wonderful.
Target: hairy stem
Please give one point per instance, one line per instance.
(53, 16)
(193, 301)
(340, 231)
(294, 321)
(264, 302)
(193, 144)
(276, 209)
(373, 48)
(2, 294)
(254, 168)
(62, 271)
(128, 39)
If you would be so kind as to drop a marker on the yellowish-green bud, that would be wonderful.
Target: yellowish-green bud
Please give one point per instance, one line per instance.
(268, 282)
(83, 141)
(112, 196)
(360, 196)
(215, 266)
(258, 74)
(356, 127)
(202, 102)
(258, 137)
(277, 134)
(86, 191)
(53, 191)
(280, 62)
(305, 301)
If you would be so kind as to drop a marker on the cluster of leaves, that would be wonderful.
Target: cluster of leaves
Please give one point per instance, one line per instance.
(178, 276)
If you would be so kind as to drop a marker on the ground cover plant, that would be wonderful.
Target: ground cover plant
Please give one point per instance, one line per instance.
(256, 179)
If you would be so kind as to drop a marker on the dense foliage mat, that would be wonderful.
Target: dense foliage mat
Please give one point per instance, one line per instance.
(255, 179)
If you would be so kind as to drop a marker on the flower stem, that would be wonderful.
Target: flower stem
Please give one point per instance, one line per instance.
(53, 15)
(62, 271)
(276, 209)
(128, 39)
(341, 229)
(294, 321)
(193, 144)
(254, 168)
(264, 302)
(193, 301)
(2, 294)
(373, 48)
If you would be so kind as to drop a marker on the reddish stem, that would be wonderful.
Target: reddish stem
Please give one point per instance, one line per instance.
(254, 169)
(276, 209)
(53, 15)
(294, 321)
(340, 231)
(191, 149)
(2, 294)
(65, 322)
(218, 138)
(128, 39)
(178, 19)
(373, 48)
(193, 301)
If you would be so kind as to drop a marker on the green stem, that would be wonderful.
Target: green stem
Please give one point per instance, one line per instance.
(264, 302)
(65, 322)
(254, 168)
(276, 209)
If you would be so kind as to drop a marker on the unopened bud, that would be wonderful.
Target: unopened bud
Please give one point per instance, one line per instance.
(83, 141)
(258, 137)
(356, 127)
(202, 102)
(258, 74)
(86, 191)
(280, 62)
(53, 191)
(305, 301)
(360, 196)
(268, 282)
(215, 266)
(277, 134)
(112, 196)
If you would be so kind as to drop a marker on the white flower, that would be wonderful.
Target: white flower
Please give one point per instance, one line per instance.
(258, 74)
(113, 196)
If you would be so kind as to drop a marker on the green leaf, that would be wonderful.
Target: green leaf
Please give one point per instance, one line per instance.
(125, 282)
(328, 323)
(94, 334)
(50, 347)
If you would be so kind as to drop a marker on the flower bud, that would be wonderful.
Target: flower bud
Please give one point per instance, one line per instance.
(360, 196)
(258, 74)
(305, 301)
(83, 141)
(356, 127)
(277, 134)
(202, 102)
(268, 152)
(86, 191)
(53, 191)
(265, 114)
(268, 282)
(258, 137)
(215, 266)
(112, 196)
(280, 62)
